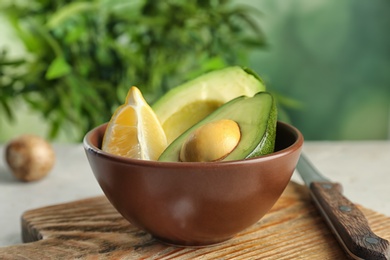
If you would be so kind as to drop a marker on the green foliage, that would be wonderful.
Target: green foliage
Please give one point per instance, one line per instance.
(84, 55)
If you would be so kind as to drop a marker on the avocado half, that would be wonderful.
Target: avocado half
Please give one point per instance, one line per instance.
(256, 117)
(185, 105)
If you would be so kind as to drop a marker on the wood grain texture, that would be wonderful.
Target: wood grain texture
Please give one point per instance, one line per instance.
(356, 235)
(92, 229)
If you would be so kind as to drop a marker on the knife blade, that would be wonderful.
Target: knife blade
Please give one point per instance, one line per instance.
(345, 220)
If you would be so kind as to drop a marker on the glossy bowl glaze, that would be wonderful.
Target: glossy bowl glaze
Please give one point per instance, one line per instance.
(195, 204)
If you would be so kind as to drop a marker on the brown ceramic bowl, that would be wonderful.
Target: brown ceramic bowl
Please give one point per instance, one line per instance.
(195, 204)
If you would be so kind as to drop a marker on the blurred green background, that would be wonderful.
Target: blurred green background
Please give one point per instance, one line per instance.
(334, 57)
(329, 60)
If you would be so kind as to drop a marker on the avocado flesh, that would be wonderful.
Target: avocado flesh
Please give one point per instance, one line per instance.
(188, 116)
(256, 117)
(187, 104)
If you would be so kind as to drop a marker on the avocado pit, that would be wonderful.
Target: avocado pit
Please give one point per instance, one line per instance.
(211, 142)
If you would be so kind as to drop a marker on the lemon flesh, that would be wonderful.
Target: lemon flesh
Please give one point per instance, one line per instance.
(134, 130)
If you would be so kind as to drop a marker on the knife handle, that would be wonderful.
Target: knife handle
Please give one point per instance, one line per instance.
(348, 223)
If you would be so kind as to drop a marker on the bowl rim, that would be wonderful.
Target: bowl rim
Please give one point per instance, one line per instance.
(89, 147)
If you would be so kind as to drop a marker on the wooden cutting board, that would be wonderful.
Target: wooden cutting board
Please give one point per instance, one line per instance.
(92, 229)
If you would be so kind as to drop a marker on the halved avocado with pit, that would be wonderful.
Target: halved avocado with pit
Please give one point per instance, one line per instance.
(256, 117)
(187, 104)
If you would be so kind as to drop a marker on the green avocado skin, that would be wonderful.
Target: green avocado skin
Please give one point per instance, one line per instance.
(256, 117)
(267, 144)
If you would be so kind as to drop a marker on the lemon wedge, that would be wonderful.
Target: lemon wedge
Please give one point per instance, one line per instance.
(134, 130)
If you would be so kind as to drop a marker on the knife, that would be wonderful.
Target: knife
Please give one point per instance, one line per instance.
(346, 221)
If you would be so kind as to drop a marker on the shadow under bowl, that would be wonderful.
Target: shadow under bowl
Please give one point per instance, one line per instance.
(195, 204)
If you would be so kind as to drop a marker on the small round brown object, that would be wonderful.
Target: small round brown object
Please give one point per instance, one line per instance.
(29, 157)
(211, 142)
